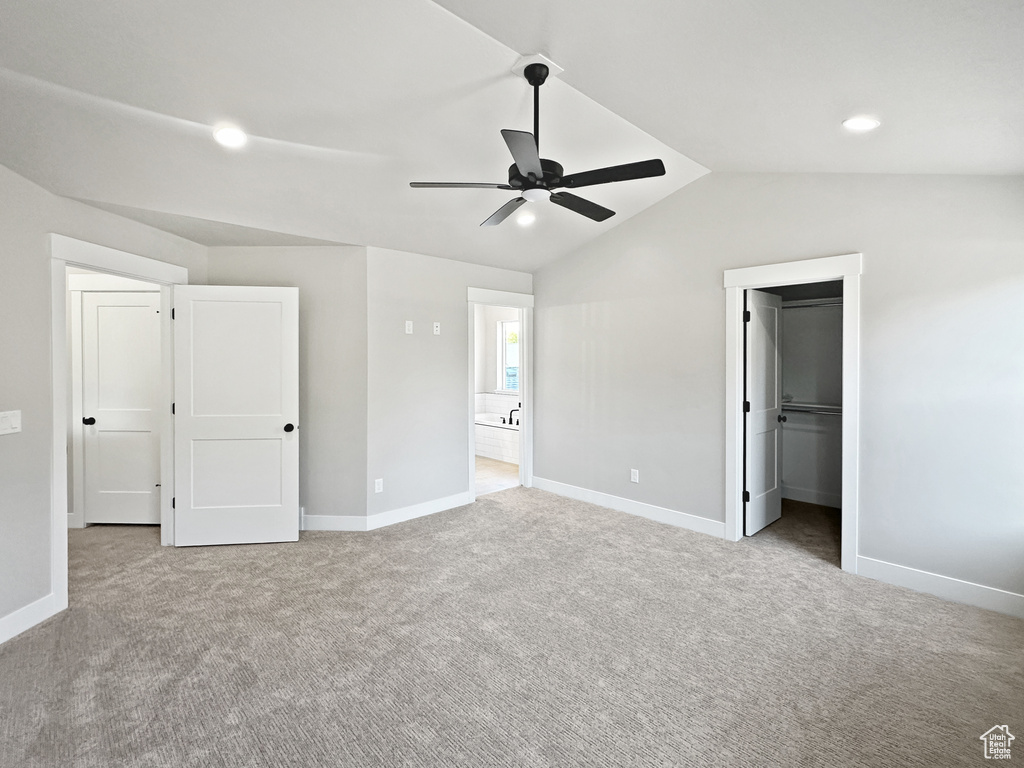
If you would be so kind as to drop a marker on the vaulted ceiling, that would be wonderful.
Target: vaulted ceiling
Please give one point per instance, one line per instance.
(112, 102)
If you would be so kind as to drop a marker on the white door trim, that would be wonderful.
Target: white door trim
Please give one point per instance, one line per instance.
(64, 252)
(847, 268)
(524, 303)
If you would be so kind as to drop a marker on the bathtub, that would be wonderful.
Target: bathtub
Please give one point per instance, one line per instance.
(494, 420)
(496, 440)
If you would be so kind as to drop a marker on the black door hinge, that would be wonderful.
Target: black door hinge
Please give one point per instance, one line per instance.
(172, 502)
(746, 316)
(172, 313)
(746, 406)
(172, 409)
(746, 496)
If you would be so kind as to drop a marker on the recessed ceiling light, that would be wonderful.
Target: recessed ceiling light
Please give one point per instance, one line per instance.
(861, 123)
(526, 218)
(230, 136)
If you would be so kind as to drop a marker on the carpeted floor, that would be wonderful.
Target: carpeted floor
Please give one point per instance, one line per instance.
(523, 630)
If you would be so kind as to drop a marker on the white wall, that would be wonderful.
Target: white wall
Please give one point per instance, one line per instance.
(812, 372)
(630, 354)
(812, 354)
(27, 214)
(332, 362)
(486, 341)
(418, 385)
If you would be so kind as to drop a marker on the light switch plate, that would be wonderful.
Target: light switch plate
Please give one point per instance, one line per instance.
(437, 329)
(408, 326)
(634, 475)
(10, 422)
(378, 485)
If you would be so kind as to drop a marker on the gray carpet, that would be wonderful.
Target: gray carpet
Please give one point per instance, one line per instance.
(523, 630)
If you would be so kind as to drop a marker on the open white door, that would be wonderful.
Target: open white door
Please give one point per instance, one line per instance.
(763, 481)
(236, 440)
(120, 396)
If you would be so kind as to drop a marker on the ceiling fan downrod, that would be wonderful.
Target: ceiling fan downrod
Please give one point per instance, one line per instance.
(535, 75)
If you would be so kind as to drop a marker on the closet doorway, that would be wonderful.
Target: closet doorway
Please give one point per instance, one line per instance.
(793, 430)
(762, 401)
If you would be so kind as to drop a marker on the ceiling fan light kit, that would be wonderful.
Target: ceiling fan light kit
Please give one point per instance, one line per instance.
(537, 178)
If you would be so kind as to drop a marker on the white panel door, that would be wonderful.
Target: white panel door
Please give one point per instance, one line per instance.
(763, 481)
(120, 395)
(236, 440)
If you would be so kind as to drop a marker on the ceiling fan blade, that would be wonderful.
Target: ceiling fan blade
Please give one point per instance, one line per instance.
(641, 170)
(523, 147)
(504, 212)
(579, 205)
(455, 185)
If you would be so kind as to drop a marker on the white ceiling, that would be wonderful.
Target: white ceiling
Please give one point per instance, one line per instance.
(742, 85)
(112, 102)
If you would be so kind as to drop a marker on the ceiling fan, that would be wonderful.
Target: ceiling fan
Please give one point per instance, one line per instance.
(537, 179)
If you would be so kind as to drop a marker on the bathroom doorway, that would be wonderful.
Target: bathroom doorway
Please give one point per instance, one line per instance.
(500, 395)
(497, 397)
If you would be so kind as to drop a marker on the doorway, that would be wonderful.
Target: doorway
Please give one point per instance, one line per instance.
(497, 397)
(793, 431)
(500, 390)
(68, 252)
(846, 269)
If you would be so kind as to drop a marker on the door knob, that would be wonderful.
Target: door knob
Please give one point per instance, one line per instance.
(289, 427)
(89, 421)
(781, 419)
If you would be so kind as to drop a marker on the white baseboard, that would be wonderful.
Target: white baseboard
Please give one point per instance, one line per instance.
(639, 508)
(25, 618)
(945, 587)
(812, 496)
(333, 523)
(382, 519)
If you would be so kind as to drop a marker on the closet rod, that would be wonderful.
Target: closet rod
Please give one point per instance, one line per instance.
(811, 409)
(802, 303)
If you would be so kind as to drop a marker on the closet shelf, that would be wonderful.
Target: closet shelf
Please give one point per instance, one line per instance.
(828, 410)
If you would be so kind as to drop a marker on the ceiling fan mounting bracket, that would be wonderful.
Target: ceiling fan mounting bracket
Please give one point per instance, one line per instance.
(519, 68)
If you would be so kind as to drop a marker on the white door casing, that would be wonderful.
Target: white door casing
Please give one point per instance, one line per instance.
(236, 444)
(763, 480)
(120, 395)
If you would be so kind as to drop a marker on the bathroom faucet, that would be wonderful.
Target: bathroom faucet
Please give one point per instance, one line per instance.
(513, 411)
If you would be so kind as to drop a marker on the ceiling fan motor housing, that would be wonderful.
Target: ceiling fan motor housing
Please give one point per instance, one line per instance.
(552, 176)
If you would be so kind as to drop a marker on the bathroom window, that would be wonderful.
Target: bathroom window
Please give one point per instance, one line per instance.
(508, 356)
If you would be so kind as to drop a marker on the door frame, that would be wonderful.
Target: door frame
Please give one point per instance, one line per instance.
(848, 268)
(524, 303)
(64, 252)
